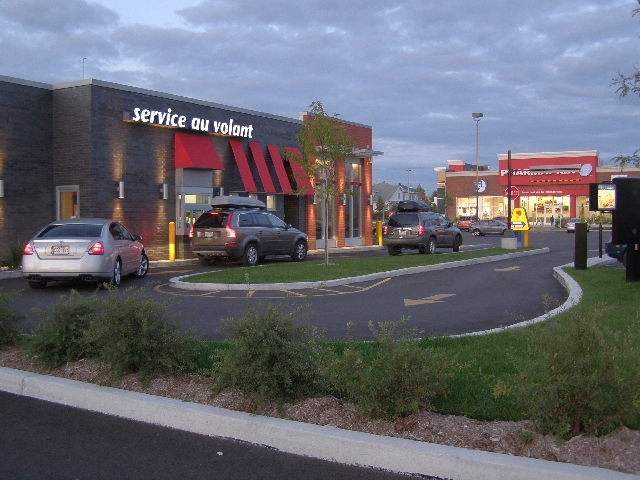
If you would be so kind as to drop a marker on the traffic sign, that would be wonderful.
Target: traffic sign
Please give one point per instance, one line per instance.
(519, 219)
(515, 193)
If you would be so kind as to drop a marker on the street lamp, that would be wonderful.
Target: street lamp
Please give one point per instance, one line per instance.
(476, 117)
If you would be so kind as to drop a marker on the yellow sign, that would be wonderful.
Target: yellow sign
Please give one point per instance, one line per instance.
(519, 219)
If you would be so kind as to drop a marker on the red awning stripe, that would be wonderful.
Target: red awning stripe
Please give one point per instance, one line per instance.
(263, 170)
(302, 179)
(195, 151)
(278, 164)
(243, 165)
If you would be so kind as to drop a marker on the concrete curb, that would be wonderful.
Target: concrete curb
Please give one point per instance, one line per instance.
(328, 443)
(177, 282)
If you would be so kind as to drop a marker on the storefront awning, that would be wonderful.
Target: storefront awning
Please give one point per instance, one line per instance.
(263, 170)
(301, 178)
(243, 165)
(195, 151)
(278, 164)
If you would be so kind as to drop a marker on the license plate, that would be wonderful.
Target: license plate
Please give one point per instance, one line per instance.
(208, 234)
(60, 250)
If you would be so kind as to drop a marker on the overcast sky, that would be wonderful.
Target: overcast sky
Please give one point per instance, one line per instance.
(415, 70)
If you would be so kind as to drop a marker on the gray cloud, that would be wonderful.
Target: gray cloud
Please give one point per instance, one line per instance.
(413, 70)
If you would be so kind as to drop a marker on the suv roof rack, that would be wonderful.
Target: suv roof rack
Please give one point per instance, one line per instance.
(412, 206)
(233, 202)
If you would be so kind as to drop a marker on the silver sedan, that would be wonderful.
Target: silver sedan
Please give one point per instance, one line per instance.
(488, 227)
(89, 249)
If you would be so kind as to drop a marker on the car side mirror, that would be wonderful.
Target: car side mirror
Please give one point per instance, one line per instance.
(288, 226)
(137, 238)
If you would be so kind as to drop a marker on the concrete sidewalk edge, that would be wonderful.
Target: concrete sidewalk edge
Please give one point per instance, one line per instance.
(323, 442)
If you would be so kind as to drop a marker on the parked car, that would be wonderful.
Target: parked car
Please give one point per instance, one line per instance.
(571, 225)
(488, 227)
(88, 249)
(502, 219)
(464, 221)
(413, 228)
(241, 228)
(619, 252)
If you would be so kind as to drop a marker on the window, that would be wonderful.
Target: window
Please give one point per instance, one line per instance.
(271, 202)
(197, 199)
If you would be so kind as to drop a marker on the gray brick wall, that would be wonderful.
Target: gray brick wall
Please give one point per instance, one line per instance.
(25, 162)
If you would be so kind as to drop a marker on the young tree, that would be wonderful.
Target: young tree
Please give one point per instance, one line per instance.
(421, 194)
(626, 85)
(324, 142)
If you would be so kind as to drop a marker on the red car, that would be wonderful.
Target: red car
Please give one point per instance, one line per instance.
(466, 220)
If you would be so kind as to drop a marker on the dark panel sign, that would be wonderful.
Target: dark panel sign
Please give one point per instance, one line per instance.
(626, 216)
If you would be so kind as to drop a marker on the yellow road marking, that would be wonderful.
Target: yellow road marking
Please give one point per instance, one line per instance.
(432, 299)
(508, 269)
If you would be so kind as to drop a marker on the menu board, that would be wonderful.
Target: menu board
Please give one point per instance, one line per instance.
(606, 196)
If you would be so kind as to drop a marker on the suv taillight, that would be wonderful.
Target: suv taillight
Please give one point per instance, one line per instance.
(231, 233)
(421, 231)
(191, 232)
(385, 230)
(28, 249)
(96, 249)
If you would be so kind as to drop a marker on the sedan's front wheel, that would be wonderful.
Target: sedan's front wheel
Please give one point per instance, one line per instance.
(143, 268)
(475, 233)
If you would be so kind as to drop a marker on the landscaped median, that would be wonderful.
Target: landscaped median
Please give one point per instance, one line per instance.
(312, 274)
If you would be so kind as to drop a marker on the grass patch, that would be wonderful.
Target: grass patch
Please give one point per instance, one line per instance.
(313, 270)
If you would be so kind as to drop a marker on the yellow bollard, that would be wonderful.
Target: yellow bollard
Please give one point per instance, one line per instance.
(172, 241)
(525, 239)
(379, 232)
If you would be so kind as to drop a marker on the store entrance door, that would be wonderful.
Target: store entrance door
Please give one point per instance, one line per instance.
(67, 202)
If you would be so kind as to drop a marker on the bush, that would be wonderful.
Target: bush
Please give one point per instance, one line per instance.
(270, 356)
(398, 379)
(578, 376)
(129, 333)
(13, 258)
(132, 335)
(9, 320)
(61, 338)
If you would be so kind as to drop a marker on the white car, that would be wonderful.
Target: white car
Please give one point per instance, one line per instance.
(88, 249)
(571, 225)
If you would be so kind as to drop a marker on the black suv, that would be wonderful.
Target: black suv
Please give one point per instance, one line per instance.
(240, 228)
(414, 227)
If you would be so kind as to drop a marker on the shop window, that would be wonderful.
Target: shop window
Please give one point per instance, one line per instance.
(271, 202)
(254, 196)
(197, 198)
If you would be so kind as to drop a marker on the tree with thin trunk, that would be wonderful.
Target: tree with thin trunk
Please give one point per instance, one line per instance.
(324, 142)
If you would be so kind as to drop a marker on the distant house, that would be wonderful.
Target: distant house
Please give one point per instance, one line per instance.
(391, 194)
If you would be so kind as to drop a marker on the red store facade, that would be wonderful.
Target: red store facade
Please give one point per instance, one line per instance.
(548, 185)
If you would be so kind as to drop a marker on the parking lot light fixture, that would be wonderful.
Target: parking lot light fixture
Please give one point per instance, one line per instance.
(476, 117)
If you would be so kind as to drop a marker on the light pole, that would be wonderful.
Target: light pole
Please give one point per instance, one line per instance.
(408, 184)
(477, 117)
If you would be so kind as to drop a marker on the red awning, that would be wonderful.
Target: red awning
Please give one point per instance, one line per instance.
(243, 165)
(263, 170)
(195, 151)
(278, 164)
(301, 178)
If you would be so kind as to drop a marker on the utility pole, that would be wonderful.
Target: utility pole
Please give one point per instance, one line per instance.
(408, 184)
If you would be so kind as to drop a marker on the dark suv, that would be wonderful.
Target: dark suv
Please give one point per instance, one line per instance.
(240, 228)
(414, 228)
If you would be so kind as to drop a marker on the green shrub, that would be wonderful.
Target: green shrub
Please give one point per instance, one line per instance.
(398, 378)
(9, 320)
(270, 356)
(132, 335)
(578, 376)
(60, 337)
(13, 258)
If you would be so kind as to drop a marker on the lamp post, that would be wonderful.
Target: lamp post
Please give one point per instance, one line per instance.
(476, 117)
(408, 184)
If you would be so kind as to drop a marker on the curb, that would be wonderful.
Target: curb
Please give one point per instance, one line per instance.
(177, 282)
(322, 442)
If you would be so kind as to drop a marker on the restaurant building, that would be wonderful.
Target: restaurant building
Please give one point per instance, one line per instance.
(548, 185)
(91, 148)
